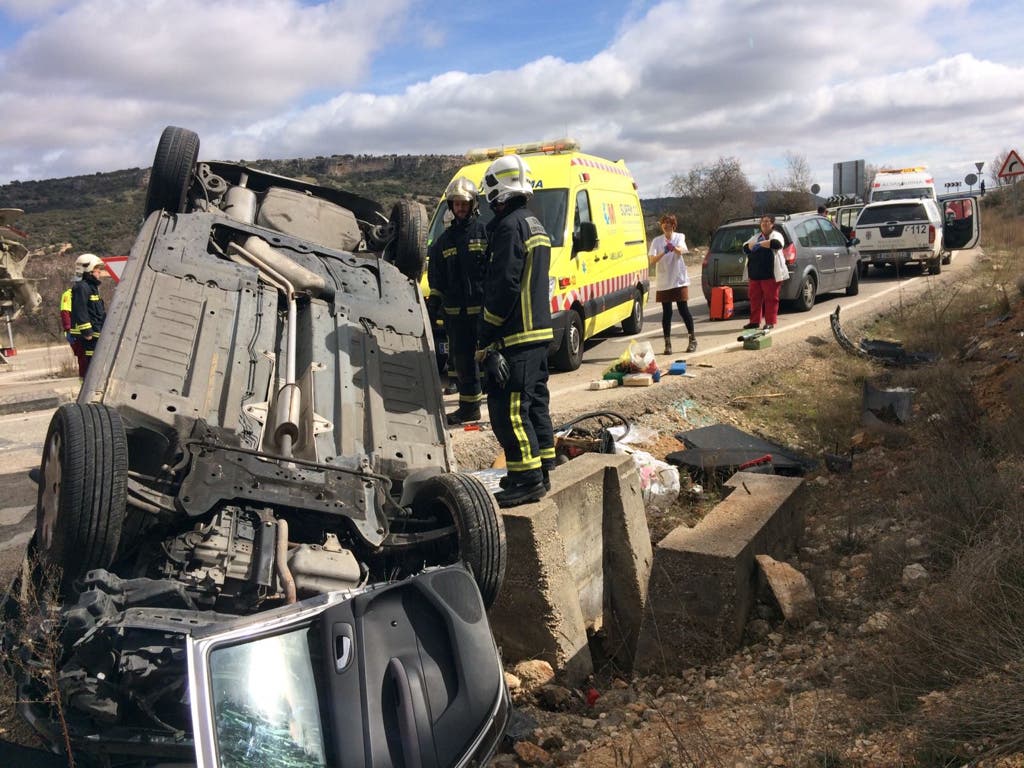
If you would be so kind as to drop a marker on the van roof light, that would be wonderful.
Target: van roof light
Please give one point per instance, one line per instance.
(553, 147)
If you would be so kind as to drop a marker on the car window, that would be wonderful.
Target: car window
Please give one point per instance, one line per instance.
(548, 205)
(884, 213)
(832, 235)
(814, 233)
(582, 211)
(802, 235)
(731, 239)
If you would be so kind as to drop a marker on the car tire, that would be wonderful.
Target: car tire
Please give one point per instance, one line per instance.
(82, 490)
(853, 288)
(408, 247)
(805, 297)
(633, 324)
(453, 497)
(569, 355)
(173, 165)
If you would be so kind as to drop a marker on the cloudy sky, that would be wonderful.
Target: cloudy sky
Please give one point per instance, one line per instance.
(87, 85)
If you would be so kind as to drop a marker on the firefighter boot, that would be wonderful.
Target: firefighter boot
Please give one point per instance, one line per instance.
(465, 413)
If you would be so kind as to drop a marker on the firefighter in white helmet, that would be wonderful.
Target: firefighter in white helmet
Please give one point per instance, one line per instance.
(87, 309)
(455, 271)
(516, 332)
(73, 336)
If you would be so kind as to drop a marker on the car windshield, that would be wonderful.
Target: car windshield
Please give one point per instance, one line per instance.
(884, 213)
(266, 704)
(549, 205)
(903, 193)
(731, 239)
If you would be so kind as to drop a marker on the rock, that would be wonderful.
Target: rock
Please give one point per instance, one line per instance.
(556, 698)
(554, 742)
(876, 622)
(530, 754)
(792, 590)
(533, 673)
(512, 681)
(914, 574)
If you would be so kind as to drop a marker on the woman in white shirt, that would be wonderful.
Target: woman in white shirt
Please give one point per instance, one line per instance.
(673, 281)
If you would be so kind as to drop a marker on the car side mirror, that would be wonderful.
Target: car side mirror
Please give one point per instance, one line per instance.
(852, 242)
(586, 238)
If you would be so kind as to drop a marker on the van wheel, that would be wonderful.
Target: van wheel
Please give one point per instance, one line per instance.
(408, 247)
(854, 287)
(635, 322)
(808, 291)
(569, 356)
(462, 500)
(175, 160)
(82, 491)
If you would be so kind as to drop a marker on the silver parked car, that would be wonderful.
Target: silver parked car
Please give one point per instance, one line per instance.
(819, 257)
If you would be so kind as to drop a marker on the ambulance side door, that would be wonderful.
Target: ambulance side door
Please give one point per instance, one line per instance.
(584, 251)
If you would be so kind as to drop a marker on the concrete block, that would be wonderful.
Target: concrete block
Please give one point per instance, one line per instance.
(578, 562)
(603, 384)
(704, 579)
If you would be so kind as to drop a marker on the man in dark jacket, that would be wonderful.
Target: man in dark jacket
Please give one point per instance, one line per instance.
(516, 332)
(87, 309)
(455, 271)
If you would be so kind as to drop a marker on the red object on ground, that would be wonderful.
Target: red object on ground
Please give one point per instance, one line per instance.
(721, 303)
(592, 696)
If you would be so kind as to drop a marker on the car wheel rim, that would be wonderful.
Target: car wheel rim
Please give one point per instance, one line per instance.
(808, 292)
(50, 497)
(636, 312)
(574, 339)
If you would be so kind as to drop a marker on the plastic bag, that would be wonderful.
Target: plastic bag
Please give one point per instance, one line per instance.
(638, 357)
(659, 480)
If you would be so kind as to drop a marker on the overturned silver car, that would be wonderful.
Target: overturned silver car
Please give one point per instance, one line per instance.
(261, 425)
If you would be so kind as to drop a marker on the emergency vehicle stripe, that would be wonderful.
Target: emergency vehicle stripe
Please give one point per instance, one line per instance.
(609, 167)
(565, 300)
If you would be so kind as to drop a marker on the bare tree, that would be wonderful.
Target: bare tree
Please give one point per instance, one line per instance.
(793, 191)
(714, 194)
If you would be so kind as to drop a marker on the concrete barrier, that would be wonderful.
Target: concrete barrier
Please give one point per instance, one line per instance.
(704, 579)
(578, 562)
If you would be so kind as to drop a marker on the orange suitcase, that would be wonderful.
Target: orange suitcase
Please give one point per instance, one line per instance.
(721, 303)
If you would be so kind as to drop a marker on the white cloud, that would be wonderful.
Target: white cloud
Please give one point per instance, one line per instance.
(682, 83)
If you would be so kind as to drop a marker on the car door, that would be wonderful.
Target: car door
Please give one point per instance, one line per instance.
(824, 255)
(844, 258)
(961, 225)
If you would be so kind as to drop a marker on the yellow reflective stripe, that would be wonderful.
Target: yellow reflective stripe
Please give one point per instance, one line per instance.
(94, 298)
(435, 292)
(523, 466)
(547, 453)
(492, 319)
(447, 252)
(515, 412)
(541, 334)
(457, 310)
(537, 240)
(83, 327)
(471, 398)
(478, 245)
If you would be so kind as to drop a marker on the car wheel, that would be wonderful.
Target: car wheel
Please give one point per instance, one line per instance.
(408, 247)
(935, 266)
(173, 166)
(569, 356)
(635, 322)
(805, 296)
(452, 497)
(82, 491)
(854, 286)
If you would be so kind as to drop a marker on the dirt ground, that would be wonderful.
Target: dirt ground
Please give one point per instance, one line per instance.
(782, 699)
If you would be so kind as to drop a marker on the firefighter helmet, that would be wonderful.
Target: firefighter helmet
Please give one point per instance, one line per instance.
(82, 263)
(507, 177)
(462, 188)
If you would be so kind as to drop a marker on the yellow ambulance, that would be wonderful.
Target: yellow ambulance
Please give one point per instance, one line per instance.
(591, 210)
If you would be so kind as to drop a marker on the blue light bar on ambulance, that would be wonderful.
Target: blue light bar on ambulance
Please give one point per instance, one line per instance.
(531, 148)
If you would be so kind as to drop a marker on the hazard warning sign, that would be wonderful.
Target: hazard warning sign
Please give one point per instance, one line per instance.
(1012, 166)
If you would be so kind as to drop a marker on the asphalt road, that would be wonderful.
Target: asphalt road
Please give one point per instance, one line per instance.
(22, 435)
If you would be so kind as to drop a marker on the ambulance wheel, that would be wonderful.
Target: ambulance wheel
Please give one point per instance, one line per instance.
(173, 165)
(408, 247)
(569, 355)
(459, 499)
(804, 300)
(82, 491)
(635, 322)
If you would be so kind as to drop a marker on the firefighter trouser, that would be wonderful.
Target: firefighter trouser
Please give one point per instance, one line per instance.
(519, 412)
(462, 349)
(88, 347)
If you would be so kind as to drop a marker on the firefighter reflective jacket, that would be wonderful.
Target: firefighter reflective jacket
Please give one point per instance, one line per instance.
(456, 266)
(87, 309)
(517, 297)
(65, 312)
